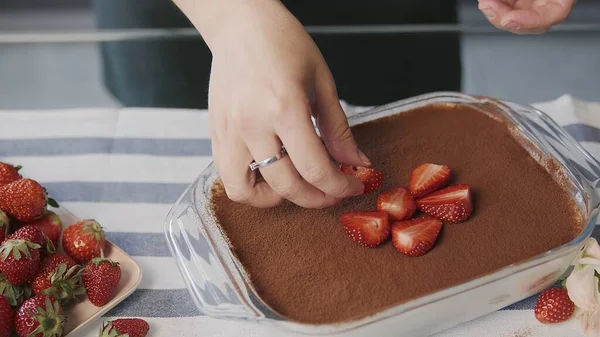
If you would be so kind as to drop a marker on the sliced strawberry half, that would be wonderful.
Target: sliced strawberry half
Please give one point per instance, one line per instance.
(428, 178)
(367, 228)
(371, 178)
(398, 203)
(452, 204)
(416, 237)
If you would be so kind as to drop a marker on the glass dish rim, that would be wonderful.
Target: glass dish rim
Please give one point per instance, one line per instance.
(209, 175)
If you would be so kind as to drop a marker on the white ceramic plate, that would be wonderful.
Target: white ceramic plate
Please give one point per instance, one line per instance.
(83, 313)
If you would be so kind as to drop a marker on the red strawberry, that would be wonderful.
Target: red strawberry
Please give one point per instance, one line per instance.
(15, 295)
(30, 233)
(84, 240)
(371, 178)
(132, 327)
(58, 276)
(367, 228)
(19, 260)
(554, 306)
(7, 317)
(24, 200)
(8, 173)
(4, 225)
(452, 204)
(40, 316)
(398, 203)
(100, 277)
(415, 237)
(51, 225)
(428, 178)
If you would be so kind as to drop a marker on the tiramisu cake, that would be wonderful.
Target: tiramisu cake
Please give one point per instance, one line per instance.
(459, 198)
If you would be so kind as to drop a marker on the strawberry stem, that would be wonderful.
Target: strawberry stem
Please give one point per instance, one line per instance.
(49, 319)
(97, 260)
(52, 203)
(4, 222)
(92, 227)
(49, 201)
(15, 295)
(16, 247)
(108, 330)
(66, 284)
(563, 283)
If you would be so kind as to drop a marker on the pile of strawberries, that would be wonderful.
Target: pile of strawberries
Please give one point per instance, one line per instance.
(36, 279)
(427, 192)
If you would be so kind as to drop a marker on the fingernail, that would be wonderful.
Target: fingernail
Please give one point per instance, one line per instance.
(488, 12)
(512, 25)
(364, 158)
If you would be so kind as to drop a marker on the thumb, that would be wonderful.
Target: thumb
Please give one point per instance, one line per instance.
(333, 124)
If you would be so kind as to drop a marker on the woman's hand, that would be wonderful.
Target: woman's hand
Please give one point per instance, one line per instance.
(267, 79)
(526, 16)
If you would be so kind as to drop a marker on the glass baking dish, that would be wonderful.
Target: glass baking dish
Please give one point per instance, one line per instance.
(219, 287)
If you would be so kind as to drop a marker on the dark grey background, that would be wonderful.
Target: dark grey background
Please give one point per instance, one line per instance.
(521, 68)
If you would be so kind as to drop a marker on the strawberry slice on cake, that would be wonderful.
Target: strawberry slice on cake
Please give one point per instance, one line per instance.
(369, 229)
(452, 204)
(416, 237)
(428, 178)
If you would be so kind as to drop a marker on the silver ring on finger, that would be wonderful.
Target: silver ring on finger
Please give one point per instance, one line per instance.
(263, 163)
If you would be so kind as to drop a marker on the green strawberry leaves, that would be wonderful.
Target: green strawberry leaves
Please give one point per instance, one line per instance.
(18, 248)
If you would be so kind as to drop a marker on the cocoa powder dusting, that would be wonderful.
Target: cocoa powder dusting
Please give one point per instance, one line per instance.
(304, 266)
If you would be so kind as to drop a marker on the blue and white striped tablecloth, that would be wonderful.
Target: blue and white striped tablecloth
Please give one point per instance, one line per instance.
(126, 167)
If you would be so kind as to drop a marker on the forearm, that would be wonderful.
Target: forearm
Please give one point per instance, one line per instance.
(210, 17)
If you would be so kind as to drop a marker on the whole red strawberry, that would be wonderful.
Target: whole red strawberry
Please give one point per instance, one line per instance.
(4, 225)
(40, 316)
(8, 173)
(24, 200)
(58, 276)
(14, 294)
(51, 225)
(100, 278)
(19, 260)
(7, 317)
(84, 240)
(554, 306)
(30, 233)
(132, 327)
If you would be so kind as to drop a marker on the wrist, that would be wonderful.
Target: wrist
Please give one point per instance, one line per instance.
(212, 17)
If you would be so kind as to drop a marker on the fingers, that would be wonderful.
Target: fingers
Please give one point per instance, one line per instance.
(333, 124)
(536, 18)
(495, 10)
(239, 182)
(282, 176)
(310, 157)
(540, 18)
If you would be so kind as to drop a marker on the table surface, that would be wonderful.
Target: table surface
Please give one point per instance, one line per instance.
(126, 167)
